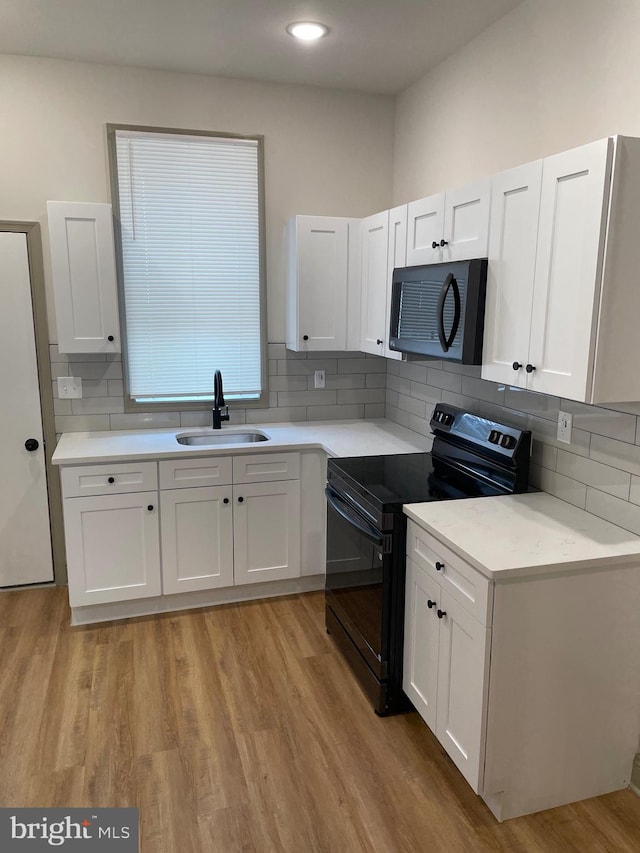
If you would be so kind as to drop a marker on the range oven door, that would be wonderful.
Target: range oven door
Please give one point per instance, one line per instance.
(358, 574)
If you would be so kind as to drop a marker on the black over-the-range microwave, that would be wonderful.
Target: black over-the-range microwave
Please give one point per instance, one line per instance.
(437, 310)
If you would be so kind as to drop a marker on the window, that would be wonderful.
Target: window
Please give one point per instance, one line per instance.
(190, 212)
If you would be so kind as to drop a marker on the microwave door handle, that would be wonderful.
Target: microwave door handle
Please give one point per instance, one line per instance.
(446, 342)
(349, 516)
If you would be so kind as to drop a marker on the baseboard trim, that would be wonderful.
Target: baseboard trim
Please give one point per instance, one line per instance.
(189, 600)
(635, 775)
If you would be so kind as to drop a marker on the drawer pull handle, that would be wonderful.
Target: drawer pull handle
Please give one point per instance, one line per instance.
(434, 245)
(439, 566)
(441, 613)
(111, 479)
(431, 604)
(150, 507)
(240, 500)
(110, 338)
(225, 500)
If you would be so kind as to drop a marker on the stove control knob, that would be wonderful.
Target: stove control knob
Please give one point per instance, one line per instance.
(508, 442)
(494, 436)
(448, 420)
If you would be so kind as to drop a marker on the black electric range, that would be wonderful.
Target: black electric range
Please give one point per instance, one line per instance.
(366, 531)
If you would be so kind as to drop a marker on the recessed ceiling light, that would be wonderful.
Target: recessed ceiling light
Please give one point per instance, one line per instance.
(307, 30)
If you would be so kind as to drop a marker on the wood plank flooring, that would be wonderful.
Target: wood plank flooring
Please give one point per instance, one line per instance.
(239, 728)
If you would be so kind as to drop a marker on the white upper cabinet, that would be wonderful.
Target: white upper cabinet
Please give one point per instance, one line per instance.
(84, 277)
(375, 238)
(396, 257)
(451, 226)
(575, 193)
(319, 278)
(515, 205)
(561, 312)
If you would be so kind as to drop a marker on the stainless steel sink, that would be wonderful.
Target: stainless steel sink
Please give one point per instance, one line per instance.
(219, 437)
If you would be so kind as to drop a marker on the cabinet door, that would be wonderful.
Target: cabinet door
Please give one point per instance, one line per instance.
(575, 189)
(317, 287)
(463, 667)
(113, 547)
(421, 632)
(84, 276)
(197, 538)
(375, 238)
(266, 531)
(466, 222)
(425, 226)
(396, 257)
(515, 205)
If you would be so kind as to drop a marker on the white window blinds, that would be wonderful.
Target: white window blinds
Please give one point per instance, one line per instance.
(190, 220)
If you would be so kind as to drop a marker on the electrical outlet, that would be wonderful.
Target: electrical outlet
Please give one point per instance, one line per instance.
(318, 379)
(565, 422)
(69, 387)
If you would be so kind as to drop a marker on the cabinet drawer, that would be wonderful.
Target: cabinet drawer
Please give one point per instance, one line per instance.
(112, 479)
(266, 467)
(184, 473)
(464, 583)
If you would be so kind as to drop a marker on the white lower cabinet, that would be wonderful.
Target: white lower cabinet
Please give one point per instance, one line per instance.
(199, 532)
(528, 682)
(266, 531)
(113, 547)
(197, 538)
(444, 669)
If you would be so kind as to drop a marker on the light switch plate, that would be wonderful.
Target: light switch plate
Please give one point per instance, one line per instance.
(318, 379)
(69, 387)
(565, 423)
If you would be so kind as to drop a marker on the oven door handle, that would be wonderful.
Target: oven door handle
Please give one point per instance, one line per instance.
(343, 509)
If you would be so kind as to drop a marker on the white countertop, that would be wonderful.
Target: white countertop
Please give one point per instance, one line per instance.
(519, 535)
(337, 438)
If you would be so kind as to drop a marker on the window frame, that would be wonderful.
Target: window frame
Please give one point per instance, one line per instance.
(131, 405)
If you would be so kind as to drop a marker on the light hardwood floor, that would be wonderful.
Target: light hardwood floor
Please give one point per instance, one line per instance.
(239, 728)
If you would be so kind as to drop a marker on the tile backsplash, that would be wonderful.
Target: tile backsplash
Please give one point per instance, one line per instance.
(355, 387)
(599, 471)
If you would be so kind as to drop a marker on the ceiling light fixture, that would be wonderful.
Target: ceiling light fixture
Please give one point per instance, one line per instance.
(307, 30)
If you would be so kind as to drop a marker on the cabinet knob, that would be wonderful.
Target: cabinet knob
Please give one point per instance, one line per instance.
(441, 613)
(434, 245)
(431, 604)
(225, 501)
(379, 341)
(111, 480)
(305, 337)
(529, 368)
(439, 566)
(110, 338)
(516, 365)
(31, 444)
(150, 507)
(444, 243)
(240, 500)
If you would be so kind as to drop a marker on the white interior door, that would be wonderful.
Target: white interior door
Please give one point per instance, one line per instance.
(25, 536)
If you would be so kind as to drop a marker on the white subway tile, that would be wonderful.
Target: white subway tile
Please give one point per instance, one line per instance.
(374, 410)
(346, 380)
(82, 423)
(304, 368)
(425, 392)
(412, 405)
(283, 414)
(361, 365)
(563, 487)
(444, 380)
(361, 395)
(618, 454)
(540, 405)
(595, 474)
(288, 383)
(320, 397)
(612, 509)
(619, 425)
(481, 390)
(326, 413)
(98, 406)
(146, 420)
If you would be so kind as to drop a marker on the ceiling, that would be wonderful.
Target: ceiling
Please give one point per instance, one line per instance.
(378, 46)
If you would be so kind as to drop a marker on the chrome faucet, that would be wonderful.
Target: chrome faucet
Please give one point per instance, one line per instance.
(218, 401)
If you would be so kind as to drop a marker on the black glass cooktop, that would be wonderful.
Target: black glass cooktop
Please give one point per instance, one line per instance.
(390, 481)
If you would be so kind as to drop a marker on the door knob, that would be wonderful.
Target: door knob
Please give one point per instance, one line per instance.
(441, 613)
(444, 243)
(439, 566)
(240, 500)
(529, 368)
(516, 365)
(110, 338)
(434, 245)
(431, 604)
(31, 444)
(379, 341)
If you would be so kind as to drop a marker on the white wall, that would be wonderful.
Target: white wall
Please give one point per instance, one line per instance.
(326, 152)
(549, 76)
